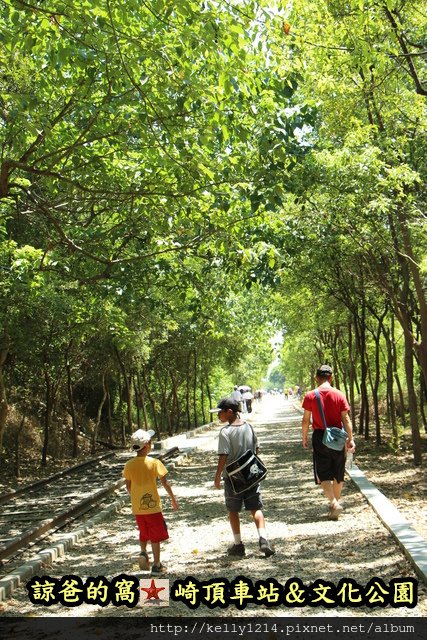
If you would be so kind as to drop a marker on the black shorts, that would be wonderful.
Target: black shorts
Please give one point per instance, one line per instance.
(328, 464)
(250, 498)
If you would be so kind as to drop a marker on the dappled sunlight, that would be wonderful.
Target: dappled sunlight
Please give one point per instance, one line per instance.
(307, 544)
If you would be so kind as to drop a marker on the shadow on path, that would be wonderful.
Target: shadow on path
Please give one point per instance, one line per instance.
(308, 546)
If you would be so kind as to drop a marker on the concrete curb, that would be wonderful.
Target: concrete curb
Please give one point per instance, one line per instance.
(181, 438)
(23, 573)
(413, 545)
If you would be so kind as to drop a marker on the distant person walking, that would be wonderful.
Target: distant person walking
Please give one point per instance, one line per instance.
(234, 440)
(328, 464)
(248, 397)
(237, 395)
(141, 473)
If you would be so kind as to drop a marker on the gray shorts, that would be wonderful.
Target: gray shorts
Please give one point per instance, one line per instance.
(251, 498)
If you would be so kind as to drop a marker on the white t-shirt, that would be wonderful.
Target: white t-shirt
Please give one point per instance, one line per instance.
(233, 441)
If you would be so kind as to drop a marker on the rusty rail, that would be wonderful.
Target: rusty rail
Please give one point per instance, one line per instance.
(20, 541)
(58, 521)
(5, 497)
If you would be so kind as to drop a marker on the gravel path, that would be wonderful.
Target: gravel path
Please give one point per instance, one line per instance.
(306, 541)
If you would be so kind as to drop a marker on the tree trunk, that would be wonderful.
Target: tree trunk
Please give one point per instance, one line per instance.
(99, 412)
(4, 407)
(151, 401)
(340, 377)
(364, 370)
(208, 391)
(423, 396)
(71, 402)
(335, 359)
(109, 409)
(142, 400)
(128, 389)
(352, 375)
(202, 399)
(195, 420)
(402, 412)
(137, 402)
(376, 385)
(120, 409)
(364, 402)
(47, 416)
(166, 416)
(420, 346)
(187, 394)
(374, 388)
(412, 401)
(18, 449)
(390, 387)
(175, 403)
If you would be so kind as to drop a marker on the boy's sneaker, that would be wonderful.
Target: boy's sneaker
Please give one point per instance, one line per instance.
(237, 550)
(266, 547)
(157, 569)
(143, 560)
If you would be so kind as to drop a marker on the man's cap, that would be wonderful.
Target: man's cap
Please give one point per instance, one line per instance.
(140, 438)
(324, 370)
(227, 403)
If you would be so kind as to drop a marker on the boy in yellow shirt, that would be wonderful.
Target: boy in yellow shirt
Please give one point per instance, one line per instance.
(141, 475)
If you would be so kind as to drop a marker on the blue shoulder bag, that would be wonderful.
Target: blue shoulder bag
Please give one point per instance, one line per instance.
(333, 437)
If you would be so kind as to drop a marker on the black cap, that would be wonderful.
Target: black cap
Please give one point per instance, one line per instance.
(225, 404)
(324, 371)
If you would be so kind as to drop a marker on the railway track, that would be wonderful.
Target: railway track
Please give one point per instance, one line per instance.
(34, 512)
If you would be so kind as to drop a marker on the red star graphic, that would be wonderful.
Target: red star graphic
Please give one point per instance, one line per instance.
(152, 591)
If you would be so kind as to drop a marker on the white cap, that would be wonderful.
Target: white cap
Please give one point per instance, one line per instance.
(140, 438)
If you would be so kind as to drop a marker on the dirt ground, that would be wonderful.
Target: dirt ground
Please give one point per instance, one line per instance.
(308, 545)
(395, 475)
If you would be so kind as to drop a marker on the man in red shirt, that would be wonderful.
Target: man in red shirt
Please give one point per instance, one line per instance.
(328, 464)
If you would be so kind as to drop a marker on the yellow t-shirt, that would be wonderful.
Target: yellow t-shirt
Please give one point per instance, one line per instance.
(143, 471)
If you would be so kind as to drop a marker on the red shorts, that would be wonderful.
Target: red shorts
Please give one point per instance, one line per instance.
(152, 527)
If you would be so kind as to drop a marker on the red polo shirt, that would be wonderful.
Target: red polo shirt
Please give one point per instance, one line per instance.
(333, 400)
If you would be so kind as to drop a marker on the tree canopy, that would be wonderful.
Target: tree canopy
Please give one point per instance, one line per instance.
(180, 180)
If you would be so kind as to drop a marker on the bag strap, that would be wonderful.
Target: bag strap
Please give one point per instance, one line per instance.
(319, 402)
(253, 437)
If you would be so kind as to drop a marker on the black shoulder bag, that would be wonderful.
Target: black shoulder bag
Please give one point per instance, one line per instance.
(246, 471)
